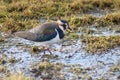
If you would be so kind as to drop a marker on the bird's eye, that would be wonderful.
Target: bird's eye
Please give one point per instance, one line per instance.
(64, 26)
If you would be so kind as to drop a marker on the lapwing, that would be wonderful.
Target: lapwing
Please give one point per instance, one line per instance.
(46, 34)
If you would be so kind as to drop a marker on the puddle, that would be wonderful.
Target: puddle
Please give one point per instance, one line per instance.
(102, 31)
(73, 54)
(95, 13)
(42, 20)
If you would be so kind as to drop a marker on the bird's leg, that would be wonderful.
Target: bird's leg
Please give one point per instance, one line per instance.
(47, 49)
(44, 49)
(61, 49)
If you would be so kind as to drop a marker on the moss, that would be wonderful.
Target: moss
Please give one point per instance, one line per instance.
(17, 6)
(3, 68)
(17, 76)
(12, 25)
(86, 30)
(109, 19)
(81, 73)
(101, 78)
(12, 60)
(2, 40)
(89, 78)
(47, 69)
(81, 21)
(86, 20)
(73, 36)
(45, 65)
(100, 44)
(36, 49)
(115, 68)
(78, 71)
(48, 65)
(49, 56)
(2, 60)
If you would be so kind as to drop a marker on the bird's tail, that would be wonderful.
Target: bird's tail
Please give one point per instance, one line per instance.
(26, 35)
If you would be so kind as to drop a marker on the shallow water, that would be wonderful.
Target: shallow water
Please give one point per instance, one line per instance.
(71, 55)
(95, 13)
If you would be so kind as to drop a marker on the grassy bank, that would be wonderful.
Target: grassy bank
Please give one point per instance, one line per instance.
(24, 14)
(86, 20)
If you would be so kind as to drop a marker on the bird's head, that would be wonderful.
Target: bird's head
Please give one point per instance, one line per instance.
(64, 25)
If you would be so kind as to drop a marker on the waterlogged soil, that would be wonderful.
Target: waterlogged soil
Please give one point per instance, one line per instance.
(68, 62)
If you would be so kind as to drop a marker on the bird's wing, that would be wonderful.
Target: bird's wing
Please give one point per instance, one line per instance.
(45, 32)
(40, 33)
(41, 28)
(46, 35)
(26, 35)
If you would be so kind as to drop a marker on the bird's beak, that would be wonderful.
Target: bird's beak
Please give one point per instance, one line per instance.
(69, 29)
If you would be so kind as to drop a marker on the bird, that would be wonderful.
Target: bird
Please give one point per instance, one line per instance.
(46, 34)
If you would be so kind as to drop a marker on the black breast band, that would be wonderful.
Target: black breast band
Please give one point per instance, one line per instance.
(61, 33)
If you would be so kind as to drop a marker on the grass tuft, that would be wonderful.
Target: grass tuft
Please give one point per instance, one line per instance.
(101, 43)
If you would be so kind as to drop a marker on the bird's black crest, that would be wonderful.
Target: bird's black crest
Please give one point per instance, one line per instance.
(64, 21)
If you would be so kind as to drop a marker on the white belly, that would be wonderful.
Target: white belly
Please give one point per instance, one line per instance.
(52, 41)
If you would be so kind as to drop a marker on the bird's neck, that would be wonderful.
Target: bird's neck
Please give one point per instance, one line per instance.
(60, 32)
(61, 27)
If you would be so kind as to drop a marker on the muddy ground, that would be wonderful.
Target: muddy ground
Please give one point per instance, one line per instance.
(68, 62)
(78, 58)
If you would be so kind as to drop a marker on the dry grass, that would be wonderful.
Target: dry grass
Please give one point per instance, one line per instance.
(100, 44)
(17, 76)
(24, 14)
(48, 70)
(86, 20)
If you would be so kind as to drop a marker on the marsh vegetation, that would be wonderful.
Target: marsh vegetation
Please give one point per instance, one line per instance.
(93, 45)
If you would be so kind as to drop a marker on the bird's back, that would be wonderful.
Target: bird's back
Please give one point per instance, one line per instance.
(26, 35)
(43, 27)
(45, 32)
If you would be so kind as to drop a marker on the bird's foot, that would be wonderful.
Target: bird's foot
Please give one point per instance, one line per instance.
(47, 49)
